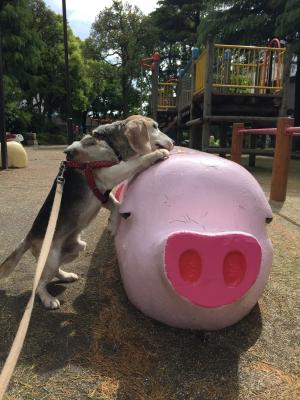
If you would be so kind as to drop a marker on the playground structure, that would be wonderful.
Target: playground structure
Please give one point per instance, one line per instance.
(227, 84)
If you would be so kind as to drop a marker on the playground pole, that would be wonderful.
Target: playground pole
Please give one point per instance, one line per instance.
(237, 142)
(155, 66)
(68, 87)
(141, 99)
(2, 115)
(282, 155)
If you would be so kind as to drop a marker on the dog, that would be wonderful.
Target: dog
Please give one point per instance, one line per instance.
(132, 145)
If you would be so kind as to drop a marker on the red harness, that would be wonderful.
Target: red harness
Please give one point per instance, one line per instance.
(88, 167)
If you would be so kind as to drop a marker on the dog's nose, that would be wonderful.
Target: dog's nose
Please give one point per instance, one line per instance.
(70, 154)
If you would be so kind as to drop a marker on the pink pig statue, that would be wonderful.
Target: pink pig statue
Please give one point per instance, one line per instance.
(192, 244)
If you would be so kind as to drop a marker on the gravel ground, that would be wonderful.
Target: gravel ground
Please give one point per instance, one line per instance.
(98, 346)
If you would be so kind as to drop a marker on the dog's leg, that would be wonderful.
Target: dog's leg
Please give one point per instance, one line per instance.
(66, 277)
(108, 178)
(70, 251)
(49, 272)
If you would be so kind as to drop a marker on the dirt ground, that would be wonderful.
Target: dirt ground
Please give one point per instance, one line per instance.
(98, 346)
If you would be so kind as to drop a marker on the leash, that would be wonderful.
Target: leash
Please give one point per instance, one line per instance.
(18, 342)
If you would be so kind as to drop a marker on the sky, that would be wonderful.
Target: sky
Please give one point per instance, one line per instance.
(82, 13)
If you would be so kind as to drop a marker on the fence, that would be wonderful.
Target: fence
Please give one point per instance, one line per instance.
(185, 85)
(166, 96)
(284, 133)
(242, 69)
(200, 73)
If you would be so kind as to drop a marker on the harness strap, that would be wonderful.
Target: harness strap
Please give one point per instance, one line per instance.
(88, 167)
(90, 164)
(103, 197)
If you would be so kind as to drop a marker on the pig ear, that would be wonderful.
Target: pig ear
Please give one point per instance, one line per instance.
(138, 136)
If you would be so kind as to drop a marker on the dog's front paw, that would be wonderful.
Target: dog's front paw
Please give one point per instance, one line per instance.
(161, 154)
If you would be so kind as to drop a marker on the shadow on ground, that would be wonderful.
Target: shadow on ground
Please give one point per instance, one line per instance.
(134, 356)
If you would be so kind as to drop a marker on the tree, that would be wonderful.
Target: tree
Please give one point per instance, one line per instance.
(176, 22)
(48, 91)
(238, 21)
(34, 71)
(288, 24)
(119, 38)
(20, 47)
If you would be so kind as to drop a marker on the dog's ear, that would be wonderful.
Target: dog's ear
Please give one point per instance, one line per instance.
(138, 137)
(107, 130)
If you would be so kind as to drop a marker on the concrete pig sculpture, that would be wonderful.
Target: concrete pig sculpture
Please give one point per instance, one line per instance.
(192, 244)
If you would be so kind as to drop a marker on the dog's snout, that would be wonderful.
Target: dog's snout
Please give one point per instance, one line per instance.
(73, 150)
(70, 156)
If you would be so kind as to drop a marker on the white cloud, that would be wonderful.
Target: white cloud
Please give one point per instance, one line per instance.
(82, 13)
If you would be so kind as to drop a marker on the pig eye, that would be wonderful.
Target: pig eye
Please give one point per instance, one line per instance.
(269, 220)
(125, 215)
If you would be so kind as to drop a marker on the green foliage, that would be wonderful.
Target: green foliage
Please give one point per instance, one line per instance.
(250, 22)
(34, 67)
(288, 24)
(119, 37)
(176, 23)
(20, 43)
(51, 138)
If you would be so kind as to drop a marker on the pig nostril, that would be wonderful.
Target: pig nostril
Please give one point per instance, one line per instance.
(190, 266)
(234, 268)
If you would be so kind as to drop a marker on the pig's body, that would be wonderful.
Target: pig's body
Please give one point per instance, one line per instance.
(194, 252)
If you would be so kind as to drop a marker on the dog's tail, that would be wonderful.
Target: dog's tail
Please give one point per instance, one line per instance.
(12, 260)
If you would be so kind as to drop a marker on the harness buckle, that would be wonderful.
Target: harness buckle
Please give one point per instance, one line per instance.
(60, 177)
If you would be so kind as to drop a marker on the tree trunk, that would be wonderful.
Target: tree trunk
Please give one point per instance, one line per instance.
(125, 95)
(83, 121)
(297, 103)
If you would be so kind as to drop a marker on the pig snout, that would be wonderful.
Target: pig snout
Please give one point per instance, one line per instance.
(211, 270)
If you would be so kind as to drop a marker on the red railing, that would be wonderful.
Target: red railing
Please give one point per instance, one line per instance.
(284, 133)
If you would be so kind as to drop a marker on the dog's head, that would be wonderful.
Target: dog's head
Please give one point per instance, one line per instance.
(150, 130)
(89, 149)
(136, 135)
(129, 137)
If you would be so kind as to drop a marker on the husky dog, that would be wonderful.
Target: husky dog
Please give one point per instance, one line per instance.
(133, 145)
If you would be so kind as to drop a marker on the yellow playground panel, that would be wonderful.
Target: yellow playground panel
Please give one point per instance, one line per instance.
(167, 96)
(242, 69)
